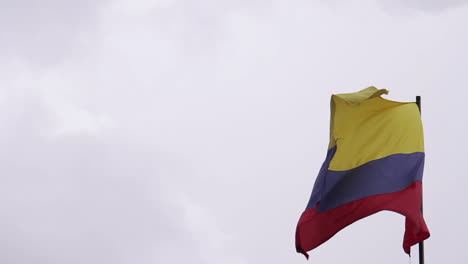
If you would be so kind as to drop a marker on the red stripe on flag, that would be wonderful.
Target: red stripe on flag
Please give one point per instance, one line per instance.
(315, 228)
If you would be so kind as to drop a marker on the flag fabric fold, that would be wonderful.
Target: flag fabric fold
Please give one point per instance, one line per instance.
(375, 162)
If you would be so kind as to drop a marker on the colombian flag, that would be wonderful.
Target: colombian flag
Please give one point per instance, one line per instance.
(374, 162)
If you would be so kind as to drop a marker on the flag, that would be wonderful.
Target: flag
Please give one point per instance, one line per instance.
(375, 162)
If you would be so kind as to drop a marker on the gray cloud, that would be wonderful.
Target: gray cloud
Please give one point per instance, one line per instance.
(81, 199)
(90, 198)
(46, 32)
(432, 6)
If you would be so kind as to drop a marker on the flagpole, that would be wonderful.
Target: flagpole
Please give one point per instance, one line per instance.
(421, 244)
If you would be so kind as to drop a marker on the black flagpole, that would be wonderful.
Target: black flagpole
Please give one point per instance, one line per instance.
(421, 244)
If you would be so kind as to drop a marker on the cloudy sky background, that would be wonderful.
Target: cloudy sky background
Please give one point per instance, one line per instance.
(177, 131)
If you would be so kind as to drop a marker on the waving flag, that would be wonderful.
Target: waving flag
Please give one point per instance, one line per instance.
(375, 162)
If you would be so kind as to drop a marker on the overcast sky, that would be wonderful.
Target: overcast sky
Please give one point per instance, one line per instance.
(180, 131)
